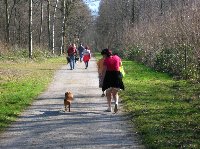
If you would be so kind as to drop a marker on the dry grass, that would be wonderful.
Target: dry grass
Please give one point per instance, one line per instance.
(3, 48)
(21, 82)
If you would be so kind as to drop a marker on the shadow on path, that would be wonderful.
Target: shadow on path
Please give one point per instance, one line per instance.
(45, 124)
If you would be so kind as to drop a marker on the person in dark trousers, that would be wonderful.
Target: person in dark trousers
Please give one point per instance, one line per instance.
(71, 53)
(80, 52)
(86, 56)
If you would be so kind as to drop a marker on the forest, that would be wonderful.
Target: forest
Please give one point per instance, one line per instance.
(38, 25)
(162, 34)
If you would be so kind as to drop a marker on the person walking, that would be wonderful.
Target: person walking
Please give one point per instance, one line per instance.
(100, 72)
(71, 53)
(86, 56)
(80, 51)
(121, 69)
(112, 80)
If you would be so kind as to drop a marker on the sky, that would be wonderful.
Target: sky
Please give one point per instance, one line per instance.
(93, 5)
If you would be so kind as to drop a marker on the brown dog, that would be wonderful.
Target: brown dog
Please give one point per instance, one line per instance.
(68, 99)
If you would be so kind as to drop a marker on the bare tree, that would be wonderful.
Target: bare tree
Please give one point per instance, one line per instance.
(63, 27)
(7, 22)
(30, 29)
(41, 22)
(53, 27)
(152, 27)
(22, 25)
(49, 23)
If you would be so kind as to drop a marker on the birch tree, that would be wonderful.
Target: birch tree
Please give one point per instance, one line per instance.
(53, 27)
(63, 26)
(41, 22)
(30, 29)
(49, 23)
(7, 22)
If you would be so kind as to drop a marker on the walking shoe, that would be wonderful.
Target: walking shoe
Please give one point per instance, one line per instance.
(116, 108)
(102, 95)
(108, 110)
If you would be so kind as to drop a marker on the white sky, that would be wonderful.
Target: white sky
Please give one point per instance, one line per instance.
(93, 5)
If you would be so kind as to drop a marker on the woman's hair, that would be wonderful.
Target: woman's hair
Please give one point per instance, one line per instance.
(106, 52)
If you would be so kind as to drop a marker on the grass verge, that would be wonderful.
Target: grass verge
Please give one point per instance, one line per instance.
(21, 82)
(165, 112)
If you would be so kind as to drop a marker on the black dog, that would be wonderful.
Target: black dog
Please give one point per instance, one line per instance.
(68, 59)
(76, 58)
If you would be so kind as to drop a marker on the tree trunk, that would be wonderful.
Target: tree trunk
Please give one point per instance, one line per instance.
(15, 20)
(63, 27)
(30, 29)
(161, 7)
(7, 23)
(41, 22)
(49, 25)
(133, 12)
(53, 28)
(19, 32)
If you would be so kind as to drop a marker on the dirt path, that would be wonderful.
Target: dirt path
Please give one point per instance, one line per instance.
(45, 125)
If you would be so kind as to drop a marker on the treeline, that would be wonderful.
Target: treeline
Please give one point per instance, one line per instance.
(163, 34)
(45, 24)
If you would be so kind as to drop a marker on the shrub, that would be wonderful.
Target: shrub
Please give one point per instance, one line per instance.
(136, 53)
(131, 53)
(180, 61)
(120, 52)
(16, 54)
(3, 48)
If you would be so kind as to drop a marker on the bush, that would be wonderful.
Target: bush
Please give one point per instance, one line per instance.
(16, 54)
(120, 52)
(131, 53)
(136, 53)
(179, 61)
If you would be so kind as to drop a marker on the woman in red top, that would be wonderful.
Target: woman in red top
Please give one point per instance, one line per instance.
(71, 54)
(112, 82)
(86, 56)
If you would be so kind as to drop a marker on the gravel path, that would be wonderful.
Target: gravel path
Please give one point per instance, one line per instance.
(46, 125)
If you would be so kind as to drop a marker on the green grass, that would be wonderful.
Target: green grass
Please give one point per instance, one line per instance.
(165, 112)
(20, 83)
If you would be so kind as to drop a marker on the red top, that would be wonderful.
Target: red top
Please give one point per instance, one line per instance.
(71, 50)
(86, 55)
(112, 63)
